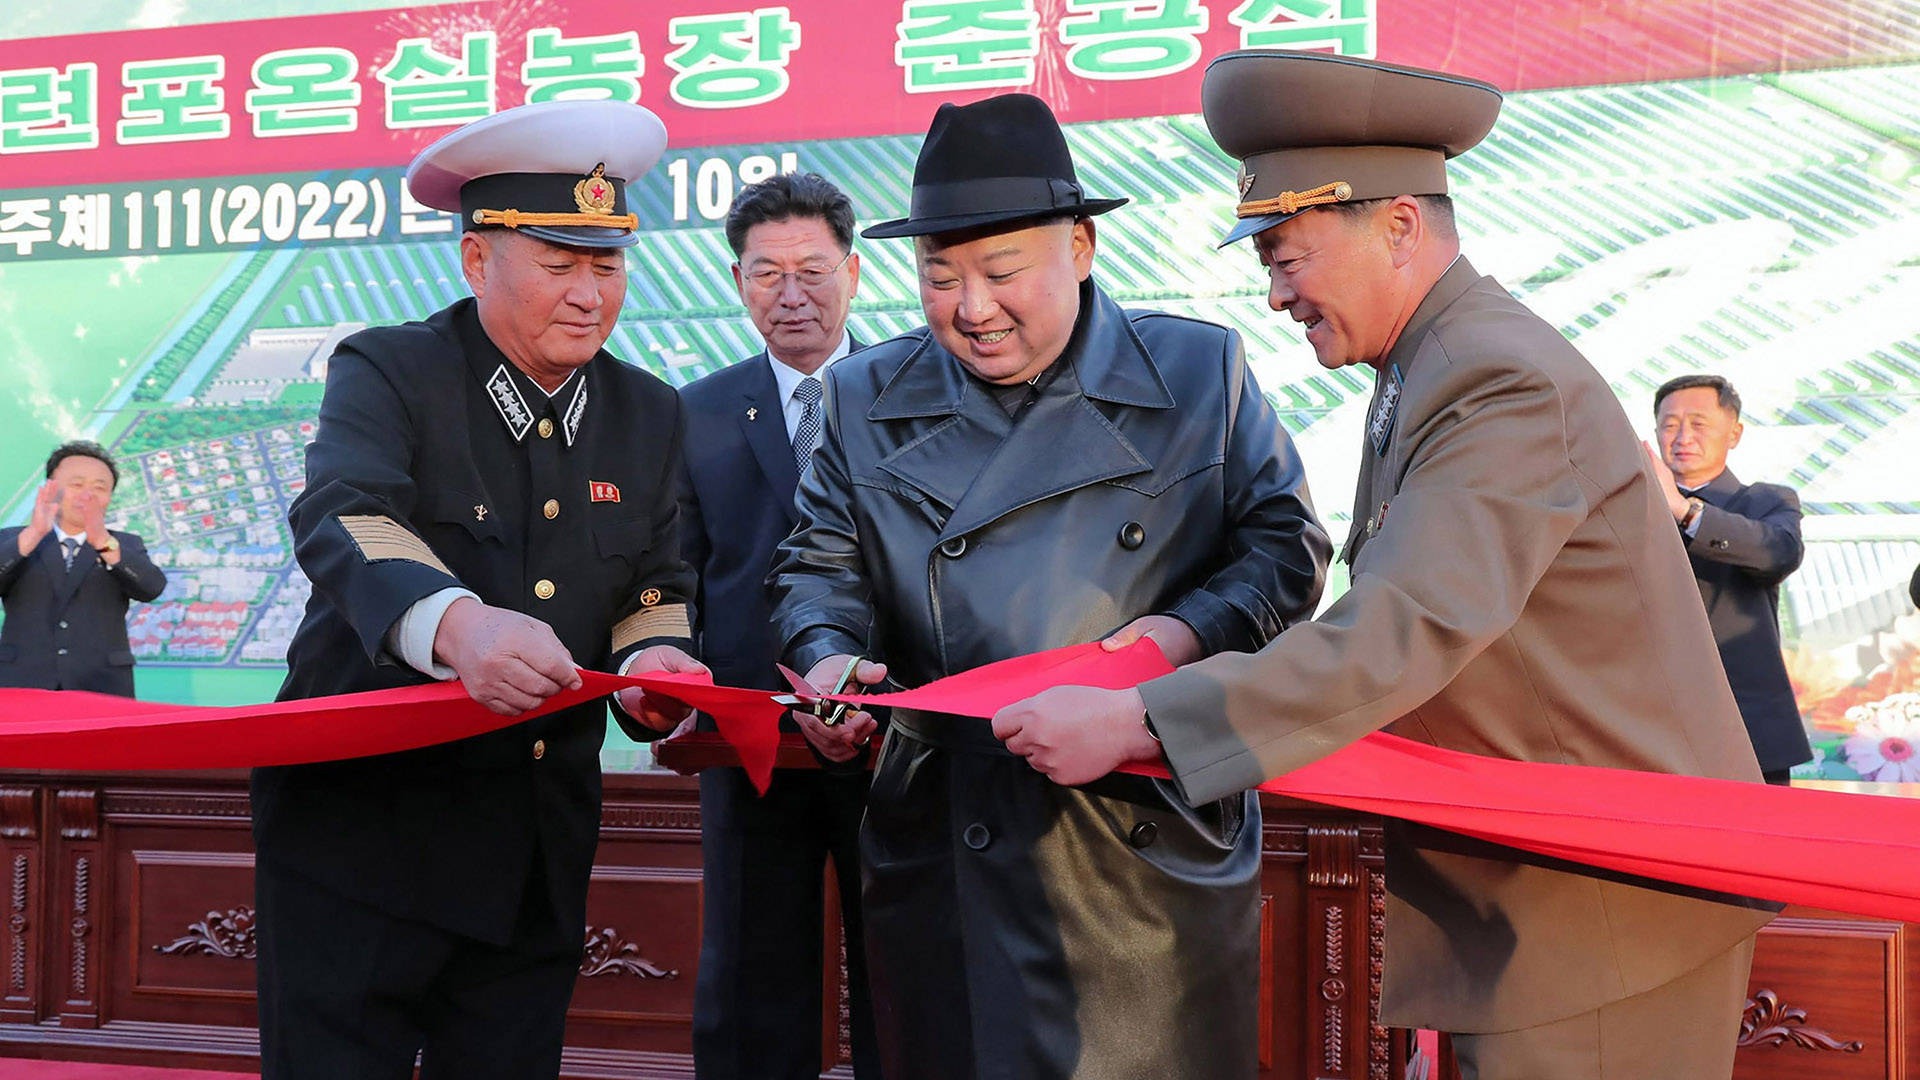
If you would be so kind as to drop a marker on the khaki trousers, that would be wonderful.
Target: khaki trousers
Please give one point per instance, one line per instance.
(1684, 1030)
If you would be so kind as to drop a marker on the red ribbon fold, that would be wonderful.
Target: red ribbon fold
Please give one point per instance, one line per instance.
(1855, 853)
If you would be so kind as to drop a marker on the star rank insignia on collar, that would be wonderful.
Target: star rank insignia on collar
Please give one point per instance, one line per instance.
(594, 195)
(576, 410)
(1380, 424)
(507, 399)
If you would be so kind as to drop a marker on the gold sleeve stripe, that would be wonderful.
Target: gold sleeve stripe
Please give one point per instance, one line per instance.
(665, 620)
(380, 537)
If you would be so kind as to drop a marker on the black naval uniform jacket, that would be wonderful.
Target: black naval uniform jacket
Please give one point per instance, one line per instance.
(66, 627)
(1017, 929)
(437, 465)
(1745, 544)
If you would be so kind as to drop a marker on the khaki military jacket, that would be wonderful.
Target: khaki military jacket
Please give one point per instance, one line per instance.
(1520, 591)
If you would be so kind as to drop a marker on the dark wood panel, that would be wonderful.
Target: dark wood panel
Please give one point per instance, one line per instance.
(128, 907)
(643, 948)
(24, 877)
(1824, 1002)
(80, 885)
(177, 932)
(188, 929)
(1284, 930)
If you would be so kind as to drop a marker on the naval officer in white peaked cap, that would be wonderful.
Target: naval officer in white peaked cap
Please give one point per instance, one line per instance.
(489, 498)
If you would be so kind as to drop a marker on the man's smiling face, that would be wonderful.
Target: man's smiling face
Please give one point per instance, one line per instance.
(1005, 302)
(1334, 274)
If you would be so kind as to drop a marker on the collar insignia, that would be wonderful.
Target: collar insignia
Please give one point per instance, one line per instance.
(513, 407)
(576, 410)
(1380, 425)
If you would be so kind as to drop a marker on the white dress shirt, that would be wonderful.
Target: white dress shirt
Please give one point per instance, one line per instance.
(61, 536)
(789, 379)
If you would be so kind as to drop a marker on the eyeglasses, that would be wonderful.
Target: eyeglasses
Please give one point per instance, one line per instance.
(812, 277)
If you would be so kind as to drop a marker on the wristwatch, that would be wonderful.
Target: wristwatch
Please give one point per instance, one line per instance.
(1694, 508)
(112, 544)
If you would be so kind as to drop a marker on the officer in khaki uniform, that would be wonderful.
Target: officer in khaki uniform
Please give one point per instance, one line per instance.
(1518, 591)
(490, 497)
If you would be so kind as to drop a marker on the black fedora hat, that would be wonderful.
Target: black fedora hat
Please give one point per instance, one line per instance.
(1001, 159)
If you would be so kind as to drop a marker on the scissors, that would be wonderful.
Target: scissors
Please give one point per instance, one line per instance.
(829, 712)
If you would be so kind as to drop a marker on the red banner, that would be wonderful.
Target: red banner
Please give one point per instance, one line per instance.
(322, 92)
(1857, 853)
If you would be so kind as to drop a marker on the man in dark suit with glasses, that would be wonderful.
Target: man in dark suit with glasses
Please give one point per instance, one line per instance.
(751, 430)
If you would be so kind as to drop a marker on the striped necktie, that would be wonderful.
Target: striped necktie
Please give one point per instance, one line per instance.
(72, 548)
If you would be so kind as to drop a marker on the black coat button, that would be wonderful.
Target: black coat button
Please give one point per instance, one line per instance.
(977, 837)
(954, 548)
(1143, 834)
(1132, 535)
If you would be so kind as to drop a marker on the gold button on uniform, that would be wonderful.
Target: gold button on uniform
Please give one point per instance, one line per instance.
(546, 428)
(539, 749)
(543, 589)
(552, 509)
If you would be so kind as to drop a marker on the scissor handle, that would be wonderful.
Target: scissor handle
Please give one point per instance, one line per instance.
(839, 708)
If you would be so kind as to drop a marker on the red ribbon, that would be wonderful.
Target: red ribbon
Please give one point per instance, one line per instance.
(1856, 853)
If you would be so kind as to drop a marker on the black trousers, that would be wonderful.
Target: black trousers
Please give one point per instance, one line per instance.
(757, 1004)
(350, 991)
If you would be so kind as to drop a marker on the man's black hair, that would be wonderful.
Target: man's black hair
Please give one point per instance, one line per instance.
(787, 196)
(1729, 398)
(83, 448)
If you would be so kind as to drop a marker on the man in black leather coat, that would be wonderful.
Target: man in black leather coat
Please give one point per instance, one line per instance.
(1038, 468)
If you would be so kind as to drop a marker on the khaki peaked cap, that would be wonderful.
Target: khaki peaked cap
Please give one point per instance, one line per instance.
(1311, 129)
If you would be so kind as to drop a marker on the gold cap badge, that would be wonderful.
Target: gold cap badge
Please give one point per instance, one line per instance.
(594, 195)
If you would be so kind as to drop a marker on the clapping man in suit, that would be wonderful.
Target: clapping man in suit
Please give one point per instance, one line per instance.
(66, 580)
(1743, 539)
(752, 428)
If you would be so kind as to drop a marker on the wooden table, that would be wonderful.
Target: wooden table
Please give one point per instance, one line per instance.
(128, 937)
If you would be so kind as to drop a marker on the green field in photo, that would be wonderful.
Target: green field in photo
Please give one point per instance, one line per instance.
(208, 685)
(70, 331)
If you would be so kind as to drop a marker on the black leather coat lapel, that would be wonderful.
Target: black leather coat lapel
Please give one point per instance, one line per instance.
(1030, 464)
